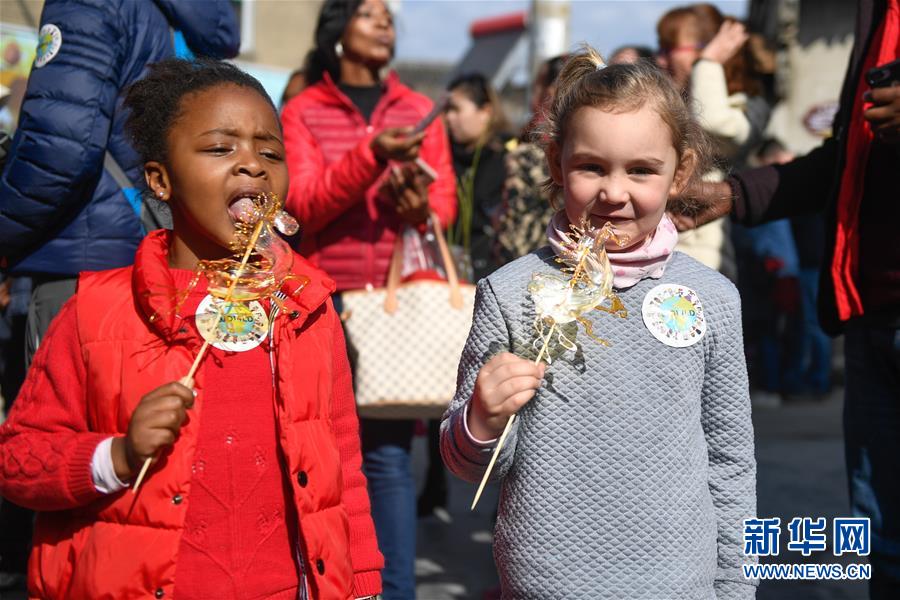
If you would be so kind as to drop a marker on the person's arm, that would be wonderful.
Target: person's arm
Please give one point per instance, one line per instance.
(464, 455)
(728, 429)
(364, 555)
(64, 124)
(798, 187)
(319, 194)
(764, 194)
(226, 39)
(718, 117)
(46, 447)
(442, 192)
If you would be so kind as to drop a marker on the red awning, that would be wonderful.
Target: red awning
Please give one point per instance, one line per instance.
(499, 24)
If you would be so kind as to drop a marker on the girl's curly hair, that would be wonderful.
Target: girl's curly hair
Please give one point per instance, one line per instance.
(155, 100)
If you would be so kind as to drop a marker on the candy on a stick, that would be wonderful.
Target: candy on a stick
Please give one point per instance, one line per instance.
(586, 285)
(261, 263)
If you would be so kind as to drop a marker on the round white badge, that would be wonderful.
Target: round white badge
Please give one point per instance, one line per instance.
(674, 315)
(49, 42)
(243, 326)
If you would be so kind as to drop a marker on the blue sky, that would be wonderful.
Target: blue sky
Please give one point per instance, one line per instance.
(438, 30)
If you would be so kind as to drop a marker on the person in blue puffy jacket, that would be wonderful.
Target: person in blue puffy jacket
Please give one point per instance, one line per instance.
(70, 193)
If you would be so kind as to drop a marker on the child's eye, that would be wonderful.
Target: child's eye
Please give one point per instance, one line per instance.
(591, 168)
(218, 150)
(272, 155)
(642, 171)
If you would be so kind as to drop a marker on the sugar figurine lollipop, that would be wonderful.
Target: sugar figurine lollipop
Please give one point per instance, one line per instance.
(559, 300)
(232, 280)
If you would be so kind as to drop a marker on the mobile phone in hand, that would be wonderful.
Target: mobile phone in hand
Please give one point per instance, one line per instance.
(884, 75)
(436, 110)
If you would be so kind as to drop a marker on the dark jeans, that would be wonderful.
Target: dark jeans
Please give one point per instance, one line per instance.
(809, 365)
(386, 462)
(872, 444)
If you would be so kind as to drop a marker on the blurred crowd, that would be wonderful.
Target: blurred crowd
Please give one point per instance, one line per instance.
(345, 115)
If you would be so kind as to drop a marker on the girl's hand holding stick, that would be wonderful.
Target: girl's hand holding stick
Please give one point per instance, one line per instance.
(507, 382)
(504, 386)
(154, 425)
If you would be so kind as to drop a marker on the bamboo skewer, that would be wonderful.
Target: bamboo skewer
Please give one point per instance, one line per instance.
(188, 380)
(577, 274)
(506, 430)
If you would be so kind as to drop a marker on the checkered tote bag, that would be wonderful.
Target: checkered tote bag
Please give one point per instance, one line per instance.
(407, 338)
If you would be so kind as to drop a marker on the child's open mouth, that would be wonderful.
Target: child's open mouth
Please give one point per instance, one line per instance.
(243, 204)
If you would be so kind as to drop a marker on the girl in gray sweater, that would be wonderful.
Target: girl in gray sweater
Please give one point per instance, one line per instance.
(630, 468)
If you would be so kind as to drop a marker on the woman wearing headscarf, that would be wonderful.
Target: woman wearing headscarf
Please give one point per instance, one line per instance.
(350, 143)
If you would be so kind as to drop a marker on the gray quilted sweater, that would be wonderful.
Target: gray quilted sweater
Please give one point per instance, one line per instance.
(628, 476)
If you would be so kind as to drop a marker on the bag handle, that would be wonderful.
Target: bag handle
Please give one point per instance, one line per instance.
(456, 299)
(393, 277)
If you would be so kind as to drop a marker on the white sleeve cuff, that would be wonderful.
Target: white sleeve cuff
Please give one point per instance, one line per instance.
(102, 470)
(469, 435)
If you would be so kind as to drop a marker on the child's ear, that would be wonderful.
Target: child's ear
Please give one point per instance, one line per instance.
(554, 161)
(683, 173)
(157, 178)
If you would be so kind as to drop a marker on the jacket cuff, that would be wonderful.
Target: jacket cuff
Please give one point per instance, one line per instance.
(738, 200)
(476, 452)
(366, 583)
(80, 478)
(465, 422)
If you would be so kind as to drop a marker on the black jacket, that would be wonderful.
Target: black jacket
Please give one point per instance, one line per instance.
(810, 183)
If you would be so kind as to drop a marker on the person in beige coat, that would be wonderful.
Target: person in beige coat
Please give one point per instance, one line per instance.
(704, 53)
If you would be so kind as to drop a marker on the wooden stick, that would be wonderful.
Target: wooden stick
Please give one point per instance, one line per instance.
(188, 380)
(500, 442)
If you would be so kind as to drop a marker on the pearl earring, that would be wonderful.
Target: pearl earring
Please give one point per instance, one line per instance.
(339, 49)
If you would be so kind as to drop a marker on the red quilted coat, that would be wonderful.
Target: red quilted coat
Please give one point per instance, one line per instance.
(92, 546)
(349, 230)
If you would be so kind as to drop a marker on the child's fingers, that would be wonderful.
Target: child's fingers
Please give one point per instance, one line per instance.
(159, 438)
(515, 402)
(169, 418)
(173, 388)
(499, 360)
(513, 386)
(517, 368)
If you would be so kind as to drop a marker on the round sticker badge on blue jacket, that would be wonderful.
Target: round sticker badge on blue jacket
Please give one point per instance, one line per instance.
(49, 42)
(674, 315)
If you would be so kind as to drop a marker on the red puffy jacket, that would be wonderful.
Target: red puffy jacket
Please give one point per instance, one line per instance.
(349, 231)
(90, 545)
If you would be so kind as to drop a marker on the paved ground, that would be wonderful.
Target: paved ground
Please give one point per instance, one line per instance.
(801, 473)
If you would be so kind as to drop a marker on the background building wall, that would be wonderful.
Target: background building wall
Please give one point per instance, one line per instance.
(21, 12)
(277, 33)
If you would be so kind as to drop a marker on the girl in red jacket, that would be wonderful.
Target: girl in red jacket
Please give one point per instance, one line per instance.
(341, 135)
(256, 490)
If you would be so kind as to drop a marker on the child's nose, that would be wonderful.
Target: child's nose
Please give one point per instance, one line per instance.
(250, 164)
(613, 190)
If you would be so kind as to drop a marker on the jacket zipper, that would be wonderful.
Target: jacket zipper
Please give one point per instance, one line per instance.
(304, 589)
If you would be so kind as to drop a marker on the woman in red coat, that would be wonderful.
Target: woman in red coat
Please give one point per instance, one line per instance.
(342, 134)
